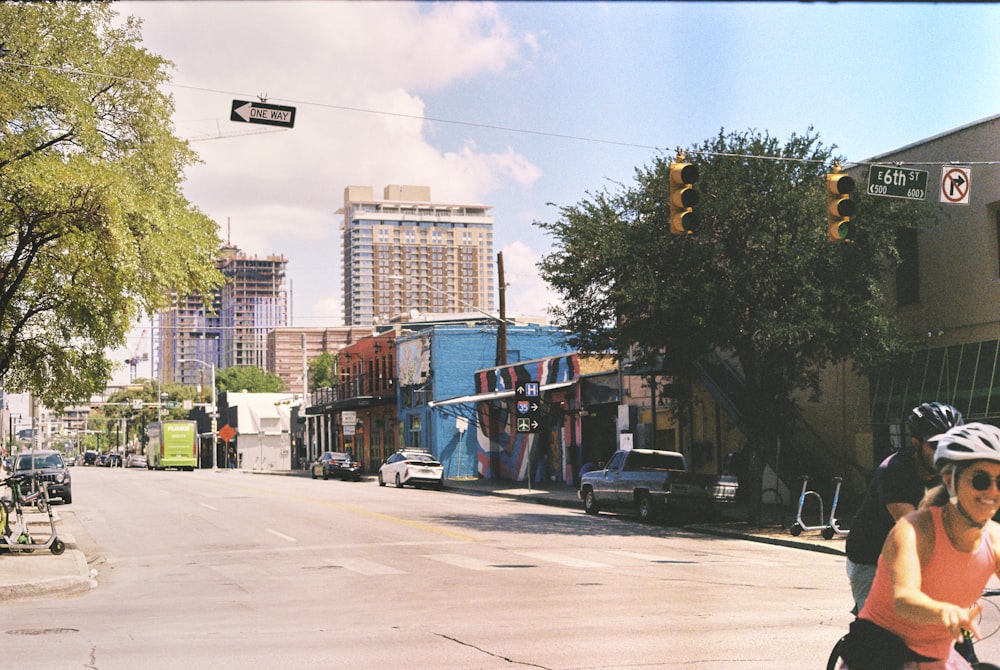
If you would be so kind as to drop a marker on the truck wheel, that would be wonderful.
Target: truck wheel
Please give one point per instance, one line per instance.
(644, 505)
(590, 505)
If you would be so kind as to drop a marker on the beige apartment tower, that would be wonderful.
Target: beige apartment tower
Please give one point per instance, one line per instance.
(404, 253)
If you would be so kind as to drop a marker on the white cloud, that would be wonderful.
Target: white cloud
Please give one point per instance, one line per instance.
(332, 61)
(526, 293)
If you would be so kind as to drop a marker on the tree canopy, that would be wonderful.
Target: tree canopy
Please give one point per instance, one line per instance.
(322, 371)
(758, 280)
(94, 229)
(250, 379)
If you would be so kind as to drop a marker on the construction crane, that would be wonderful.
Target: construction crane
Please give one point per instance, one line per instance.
(134, 358)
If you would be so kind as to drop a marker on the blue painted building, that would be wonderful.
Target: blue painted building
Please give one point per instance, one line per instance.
(439, 362)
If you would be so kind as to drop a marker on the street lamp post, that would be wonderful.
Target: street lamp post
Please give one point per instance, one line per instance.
(214, 414)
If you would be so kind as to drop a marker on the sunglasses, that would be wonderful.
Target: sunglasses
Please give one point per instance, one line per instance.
(981, 481)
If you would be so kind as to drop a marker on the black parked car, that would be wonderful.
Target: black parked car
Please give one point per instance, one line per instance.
(337, 464)
(53, 469)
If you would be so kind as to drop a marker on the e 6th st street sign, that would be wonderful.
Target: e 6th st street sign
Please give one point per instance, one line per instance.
(894, 182)
(260, 112)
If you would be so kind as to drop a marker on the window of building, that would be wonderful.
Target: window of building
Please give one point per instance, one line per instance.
(908, 271)
(996, 218)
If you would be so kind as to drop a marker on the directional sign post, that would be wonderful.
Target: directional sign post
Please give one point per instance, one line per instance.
(246, 111)
(528, 407)
(894, 182)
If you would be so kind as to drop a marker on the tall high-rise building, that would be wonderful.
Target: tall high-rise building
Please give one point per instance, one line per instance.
(252, 302)
(404, 253)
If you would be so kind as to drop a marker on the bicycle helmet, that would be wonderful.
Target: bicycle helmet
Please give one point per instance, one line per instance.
(932, 418)
(971, 442)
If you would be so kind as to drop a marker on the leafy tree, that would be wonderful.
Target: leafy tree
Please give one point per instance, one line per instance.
(758, 280)
(157, 402)
(250, 379)
(94, 229)
(322, 371)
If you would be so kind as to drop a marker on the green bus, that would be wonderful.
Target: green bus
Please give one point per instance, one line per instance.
(174, 444)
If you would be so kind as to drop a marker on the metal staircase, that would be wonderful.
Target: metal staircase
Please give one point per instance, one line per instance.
(802, 450)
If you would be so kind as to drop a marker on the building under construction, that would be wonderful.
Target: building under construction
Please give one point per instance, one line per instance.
(233, 331)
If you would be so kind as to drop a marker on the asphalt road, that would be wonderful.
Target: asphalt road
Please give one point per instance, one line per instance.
(224, 570)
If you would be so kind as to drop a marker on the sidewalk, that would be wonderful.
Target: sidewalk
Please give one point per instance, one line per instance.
(40, 573)
(733, 523)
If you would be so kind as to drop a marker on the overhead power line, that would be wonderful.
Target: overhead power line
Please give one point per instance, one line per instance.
(469, 124)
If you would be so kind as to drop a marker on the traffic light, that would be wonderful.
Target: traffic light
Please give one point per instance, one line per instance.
(683, 198)
(839, 207)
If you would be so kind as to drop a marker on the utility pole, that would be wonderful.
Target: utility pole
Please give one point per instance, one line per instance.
(502, 325)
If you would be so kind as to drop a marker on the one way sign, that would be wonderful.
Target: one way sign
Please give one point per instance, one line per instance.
(261, 112)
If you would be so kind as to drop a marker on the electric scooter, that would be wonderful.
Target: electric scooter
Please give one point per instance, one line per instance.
(799, 524)
(832, 528)
(14, 533)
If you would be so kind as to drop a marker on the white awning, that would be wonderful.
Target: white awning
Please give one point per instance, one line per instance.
(495, 395)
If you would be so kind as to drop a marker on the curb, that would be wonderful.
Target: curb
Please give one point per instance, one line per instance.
(765, 539)
(718, 531)
(52, 586)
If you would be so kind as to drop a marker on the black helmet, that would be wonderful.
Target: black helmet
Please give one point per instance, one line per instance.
(932, 418)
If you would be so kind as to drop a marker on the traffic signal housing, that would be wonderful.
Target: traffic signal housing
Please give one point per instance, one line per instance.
(683, 198)
(839, 207)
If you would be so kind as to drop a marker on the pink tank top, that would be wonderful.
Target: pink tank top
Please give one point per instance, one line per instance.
(939, 580)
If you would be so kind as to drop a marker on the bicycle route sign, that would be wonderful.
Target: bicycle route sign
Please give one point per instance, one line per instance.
(894, 182)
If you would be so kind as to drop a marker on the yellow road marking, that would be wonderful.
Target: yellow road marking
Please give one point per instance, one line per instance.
(361, 510)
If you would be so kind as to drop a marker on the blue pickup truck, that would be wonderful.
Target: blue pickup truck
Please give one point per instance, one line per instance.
(648, 482)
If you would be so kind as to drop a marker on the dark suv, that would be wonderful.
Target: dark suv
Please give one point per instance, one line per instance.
(53, 469)
(337, 464)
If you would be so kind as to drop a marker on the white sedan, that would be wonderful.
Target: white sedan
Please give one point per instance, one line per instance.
(411, 467)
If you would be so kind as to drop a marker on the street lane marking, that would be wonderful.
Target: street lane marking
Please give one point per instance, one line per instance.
(560, 559)
(460, 561)
(214, 509)
(649, 557)
(364, 567)
(360, 510)
(281, 535)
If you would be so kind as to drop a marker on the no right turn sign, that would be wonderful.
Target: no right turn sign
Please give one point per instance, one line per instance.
(955, 185)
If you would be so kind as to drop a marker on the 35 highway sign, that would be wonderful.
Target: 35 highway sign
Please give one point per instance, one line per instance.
(246, 111)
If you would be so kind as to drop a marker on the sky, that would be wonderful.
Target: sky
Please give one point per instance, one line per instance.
(528, 107)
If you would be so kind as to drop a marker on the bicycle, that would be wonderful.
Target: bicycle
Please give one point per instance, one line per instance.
(833, 662)
(14, 532)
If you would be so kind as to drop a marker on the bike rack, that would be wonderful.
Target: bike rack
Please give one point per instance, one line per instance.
(799, 524)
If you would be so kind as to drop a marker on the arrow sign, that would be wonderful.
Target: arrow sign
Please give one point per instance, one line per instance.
(246, 111)
(955, 183)
(528, 408)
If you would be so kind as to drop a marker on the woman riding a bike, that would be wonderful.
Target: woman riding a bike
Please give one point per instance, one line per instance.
(935, 563)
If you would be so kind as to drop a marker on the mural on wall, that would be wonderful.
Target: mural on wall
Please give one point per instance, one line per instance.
(413, 359)
(503, 453)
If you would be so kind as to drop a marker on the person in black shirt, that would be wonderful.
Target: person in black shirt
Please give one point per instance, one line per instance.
(898, 487)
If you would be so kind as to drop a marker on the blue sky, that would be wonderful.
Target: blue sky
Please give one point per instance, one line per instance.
(638, 78)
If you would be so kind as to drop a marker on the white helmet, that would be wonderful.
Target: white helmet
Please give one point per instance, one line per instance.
(971, 442)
